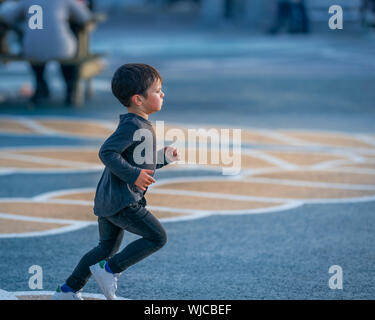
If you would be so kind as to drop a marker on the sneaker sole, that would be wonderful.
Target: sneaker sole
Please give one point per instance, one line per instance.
(93, 272)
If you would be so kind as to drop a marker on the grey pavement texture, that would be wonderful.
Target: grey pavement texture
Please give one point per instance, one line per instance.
(231, 77)
(273, 256)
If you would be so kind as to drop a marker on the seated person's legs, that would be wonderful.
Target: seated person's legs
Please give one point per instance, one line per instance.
(41, 87)
(70, 74)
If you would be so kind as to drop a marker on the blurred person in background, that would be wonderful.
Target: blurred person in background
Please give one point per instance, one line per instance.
(368, 13)
(300, 20)
(291, 15)
(89, 4)
(54, 42)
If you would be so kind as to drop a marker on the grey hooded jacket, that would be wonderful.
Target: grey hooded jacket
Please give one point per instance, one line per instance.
(129, 149)
(56, 40)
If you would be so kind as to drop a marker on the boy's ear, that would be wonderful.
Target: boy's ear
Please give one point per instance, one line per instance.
(136, 99)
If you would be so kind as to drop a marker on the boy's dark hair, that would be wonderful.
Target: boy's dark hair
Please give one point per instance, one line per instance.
(131, 79)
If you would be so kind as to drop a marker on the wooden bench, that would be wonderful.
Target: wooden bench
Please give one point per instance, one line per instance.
(89, 64)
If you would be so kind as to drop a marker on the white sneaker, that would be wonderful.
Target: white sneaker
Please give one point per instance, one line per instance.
(60, 295)
(107, 281)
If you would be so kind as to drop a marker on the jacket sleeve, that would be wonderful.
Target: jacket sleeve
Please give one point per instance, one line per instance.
(79, 12)
(111, 150)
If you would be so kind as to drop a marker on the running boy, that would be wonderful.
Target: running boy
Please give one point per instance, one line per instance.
(119, 199)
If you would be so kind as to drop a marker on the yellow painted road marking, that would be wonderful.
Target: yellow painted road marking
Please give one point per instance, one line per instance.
(328, 138)
(304, 158)
(321, 176)
(20, 164)
(14, 226)
(267, 190)
(79, 128)
(88, 156)
(49, 210)
(14, 127)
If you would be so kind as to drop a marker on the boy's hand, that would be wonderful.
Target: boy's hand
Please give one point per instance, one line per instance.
(144, 179)
(171, 153)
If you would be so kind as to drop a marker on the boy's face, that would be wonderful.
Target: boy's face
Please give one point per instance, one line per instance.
(154, 99)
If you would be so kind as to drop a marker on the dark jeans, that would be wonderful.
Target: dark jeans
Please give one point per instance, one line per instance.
(136, 219)
(70, 75)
